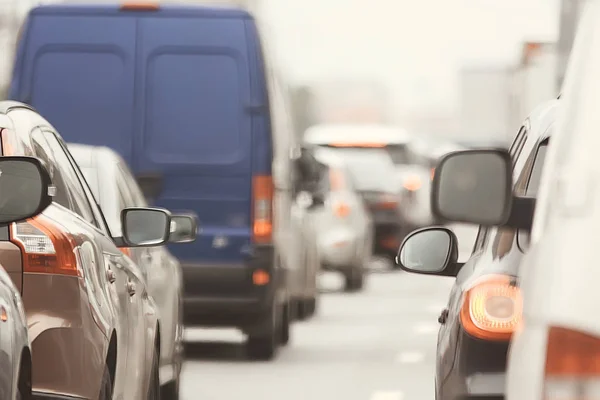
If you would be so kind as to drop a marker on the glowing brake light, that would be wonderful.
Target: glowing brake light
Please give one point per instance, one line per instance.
(432, 173)
(358, 144)
(46, 247)
(336, 180)
(412, 183)
(572, 365)
(262, 226)
(492, 308)
(140, 6)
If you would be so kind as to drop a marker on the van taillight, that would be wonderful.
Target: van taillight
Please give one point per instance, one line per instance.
(262, 217)
(140, 6)
(46, 247)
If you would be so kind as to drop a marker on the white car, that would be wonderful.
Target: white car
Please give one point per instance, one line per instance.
(343, 226)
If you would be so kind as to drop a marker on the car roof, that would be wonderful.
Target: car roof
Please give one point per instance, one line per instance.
(114, 8)
(93, 156)
(348, 133)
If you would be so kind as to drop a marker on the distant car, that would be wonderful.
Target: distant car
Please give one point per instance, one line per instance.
(376, 157)
(115, 188)
(24, 193)
(484, 307)
(344, 228)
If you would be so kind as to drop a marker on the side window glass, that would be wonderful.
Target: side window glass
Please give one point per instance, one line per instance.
(43, 151)
(529, 187)
(81, 204)
(480, 240)
(137, 197)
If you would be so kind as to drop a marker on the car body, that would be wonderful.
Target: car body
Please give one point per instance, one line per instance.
(92, 326)
(24, 194)
(344, 228)
(472, 346)
(115, 189)
(377, 159)
(227, 158)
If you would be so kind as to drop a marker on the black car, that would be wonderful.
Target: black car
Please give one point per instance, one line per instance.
(484, 306)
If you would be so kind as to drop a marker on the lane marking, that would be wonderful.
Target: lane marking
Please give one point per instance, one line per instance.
(426, 328)
(387, 396)
(409, 357)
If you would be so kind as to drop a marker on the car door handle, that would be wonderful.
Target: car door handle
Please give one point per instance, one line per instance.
(131, 288)
(443, 316)
(110, 275)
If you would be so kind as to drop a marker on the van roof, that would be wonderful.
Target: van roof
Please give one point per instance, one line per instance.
(190, 10)
(341, 133)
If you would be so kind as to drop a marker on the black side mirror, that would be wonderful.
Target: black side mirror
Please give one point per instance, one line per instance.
(145, 227)
(430, 251)
(184, 228)
(475, 186)
(25, 188)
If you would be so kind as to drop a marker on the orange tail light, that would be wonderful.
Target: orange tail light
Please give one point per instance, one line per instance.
(341, 209)
(492, 308)
(8, 142)
(572, 369)
(336, 180)
(140, 6)
(126, 251)
(46, 247)
(262, 218)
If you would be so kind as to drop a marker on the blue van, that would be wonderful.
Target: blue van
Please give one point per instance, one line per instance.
(187, 97)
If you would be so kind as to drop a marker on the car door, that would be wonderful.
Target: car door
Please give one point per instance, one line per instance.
(114, 273)
(449, 317)
(136, 288)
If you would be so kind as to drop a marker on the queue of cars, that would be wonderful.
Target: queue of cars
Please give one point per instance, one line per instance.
(520, 322)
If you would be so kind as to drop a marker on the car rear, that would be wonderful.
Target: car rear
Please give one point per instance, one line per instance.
(183, 100)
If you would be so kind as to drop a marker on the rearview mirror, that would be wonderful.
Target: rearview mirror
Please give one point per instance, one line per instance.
(473, 186)
(183, 228)
(429, 251)
(144, 227)
(25, 188)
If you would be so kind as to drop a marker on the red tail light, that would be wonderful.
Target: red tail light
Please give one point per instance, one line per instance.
(140, 6)
(46, 247)
(262, 218)
(492, 308)
(572, 365)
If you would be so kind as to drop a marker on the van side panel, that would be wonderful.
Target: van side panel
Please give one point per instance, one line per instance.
(194, 128)
(79, 73)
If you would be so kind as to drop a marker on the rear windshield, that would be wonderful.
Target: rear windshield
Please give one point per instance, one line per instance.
(371, 169)
(399, 154)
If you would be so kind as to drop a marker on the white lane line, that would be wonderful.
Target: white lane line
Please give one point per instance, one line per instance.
(409, 358)
(387, 396)
(426, 328)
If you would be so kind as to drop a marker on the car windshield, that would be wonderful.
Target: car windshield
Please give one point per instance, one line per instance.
(371, 168)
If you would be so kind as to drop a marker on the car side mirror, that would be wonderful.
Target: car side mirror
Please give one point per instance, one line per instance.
(145, 227)
(184, 228)
(475, 186)
(430, 251)
(25, 188)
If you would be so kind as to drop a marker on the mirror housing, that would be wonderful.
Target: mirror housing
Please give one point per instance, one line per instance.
(430, 251)
(145, 227)
(476, 187)
(184, 228)
(26, 188)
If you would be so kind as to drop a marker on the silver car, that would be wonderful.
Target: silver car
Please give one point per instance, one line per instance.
(344, 228)
(115, 189)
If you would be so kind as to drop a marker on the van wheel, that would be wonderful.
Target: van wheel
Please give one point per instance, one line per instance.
(355, 280)
(263, 346)
(171, 390)
(284, 333)
(106, 389)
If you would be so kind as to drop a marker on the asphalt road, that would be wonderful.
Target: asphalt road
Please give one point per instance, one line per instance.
(375, 345)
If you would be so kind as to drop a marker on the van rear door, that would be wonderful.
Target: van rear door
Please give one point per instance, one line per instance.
(77, 68)
(193, 130)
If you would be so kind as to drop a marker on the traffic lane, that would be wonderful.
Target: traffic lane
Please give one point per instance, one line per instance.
(375, 345)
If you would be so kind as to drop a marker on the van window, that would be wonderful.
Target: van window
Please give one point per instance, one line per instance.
(207, 87)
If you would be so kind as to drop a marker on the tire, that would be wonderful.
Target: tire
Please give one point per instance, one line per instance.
(106, 386)
(263, 346)
(154, 385)
(355, 280)
(170, 391)
(284, 329)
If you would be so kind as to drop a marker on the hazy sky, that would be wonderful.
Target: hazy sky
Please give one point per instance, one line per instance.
(414, 46)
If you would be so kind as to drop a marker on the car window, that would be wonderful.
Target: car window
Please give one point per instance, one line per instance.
(81, 204)
(137, 197)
